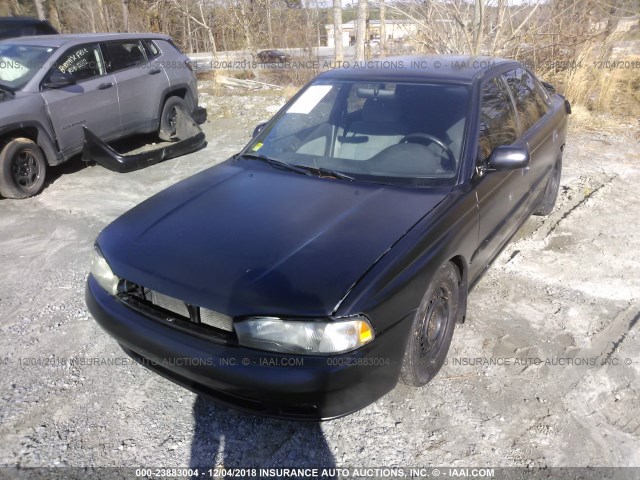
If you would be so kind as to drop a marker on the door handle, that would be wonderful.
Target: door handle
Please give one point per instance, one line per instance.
(525, 170)
(104, 86)
(155, 71)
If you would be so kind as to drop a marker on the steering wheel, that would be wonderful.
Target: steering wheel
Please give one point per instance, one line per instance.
(425, 139)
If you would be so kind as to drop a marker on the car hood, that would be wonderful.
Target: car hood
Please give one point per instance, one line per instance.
(244, 238)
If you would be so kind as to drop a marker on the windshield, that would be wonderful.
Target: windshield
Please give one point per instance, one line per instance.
(383, 132)
(19, 63)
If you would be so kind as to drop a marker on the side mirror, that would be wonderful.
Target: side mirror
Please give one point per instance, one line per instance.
(506, 157)
(258, 129)
(59, 80)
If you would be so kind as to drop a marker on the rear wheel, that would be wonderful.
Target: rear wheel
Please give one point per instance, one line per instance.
(22, 169)
(548, 200)
(432, 327)
(169, 118)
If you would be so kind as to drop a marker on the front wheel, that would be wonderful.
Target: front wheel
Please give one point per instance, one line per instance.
(432, 328)
(173, 107)
(22, 169)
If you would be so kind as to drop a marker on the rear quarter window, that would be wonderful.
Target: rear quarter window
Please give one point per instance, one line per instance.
(152, 49)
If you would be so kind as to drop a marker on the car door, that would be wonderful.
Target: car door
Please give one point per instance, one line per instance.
(502, 195)
(539, 134)
(91, 101)
(140, 84)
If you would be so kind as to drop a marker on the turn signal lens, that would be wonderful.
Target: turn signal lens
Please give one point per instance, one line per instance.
(366, 334)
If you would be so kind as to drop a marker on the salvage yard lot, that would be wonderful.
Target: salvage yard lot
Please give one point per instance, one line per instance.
(545, 371)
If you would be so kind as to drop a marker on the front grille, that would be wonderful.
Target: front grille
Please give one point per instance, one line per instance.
(175, 311)
(169, 303)
(216, 319)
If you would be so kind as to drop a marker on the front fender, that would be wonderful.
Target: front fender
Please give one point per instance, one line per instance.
(39, 134)
(394, 286)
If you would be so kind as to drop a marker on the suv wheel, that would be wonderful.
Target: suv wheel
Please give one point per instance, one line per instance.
(22, 169)
(169, 118)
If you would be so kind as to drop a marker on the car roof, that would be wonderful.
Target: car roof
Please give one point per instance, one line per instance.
(71, 39)
(437, 68)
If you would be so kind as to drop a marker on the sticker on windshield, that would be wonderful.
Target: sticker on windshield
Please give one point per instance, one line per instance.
(257, 147)
(310, 98)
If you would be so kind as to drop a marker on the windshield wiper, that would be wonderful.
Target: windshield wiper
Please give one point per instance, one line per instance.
(7, 88)
(326, 172)
(276, 163)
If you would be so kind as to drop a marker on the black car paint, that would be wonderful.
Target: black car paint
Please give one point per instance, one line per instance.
(280, 225)
(468, 224)
(12, 27)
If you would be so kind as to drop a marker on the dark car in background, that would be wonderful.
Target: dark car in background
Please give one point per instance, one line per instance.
(11, 27)
(333, 255)
(273, 56)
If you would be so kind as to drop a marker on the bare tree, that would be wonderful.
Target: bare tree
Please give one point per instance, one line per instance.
(5, 8)
(383, 27)
(269, 24)
(125, 15)
(361, 29)
(103, 23)
(39, 9)
(244, 16)
(201, 20)
(478, 25)
(54, 15)
(337, 30)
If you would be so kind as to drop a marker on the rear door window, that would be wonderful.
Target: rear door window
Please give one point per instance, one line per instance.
(498, 125)
(123, 55)
(530, 105)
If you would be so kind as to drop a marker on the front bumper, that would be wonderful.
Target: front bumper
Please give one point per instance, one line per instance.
(194, 139)
(298, 387)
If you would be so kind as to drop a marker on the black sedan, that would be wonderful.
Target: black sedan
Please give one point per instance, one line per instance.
(333, 255)
(273, 56)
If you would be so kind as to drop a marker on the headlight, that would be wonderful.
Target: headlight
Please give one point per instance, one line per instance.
(305, 337)
(101, 271)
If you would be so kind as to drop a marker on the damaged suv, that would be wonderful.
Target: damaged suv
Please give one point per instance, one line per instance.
(57, 90)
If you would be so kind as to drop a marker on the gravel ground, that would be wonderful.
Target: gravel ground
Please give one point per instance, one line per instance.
(557, 314)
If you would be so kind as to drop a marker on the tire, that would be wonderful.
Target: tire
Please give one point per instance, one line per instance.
(548, 201)
(432, 328)
(23, 169)
(168, 129)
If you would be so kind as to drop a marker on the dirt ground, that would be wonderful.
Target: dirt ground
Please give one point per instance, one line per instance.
(545, 371)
